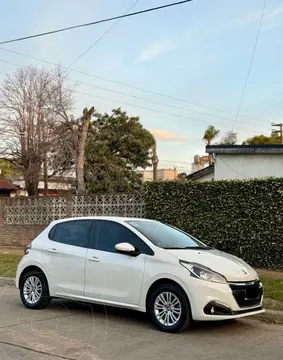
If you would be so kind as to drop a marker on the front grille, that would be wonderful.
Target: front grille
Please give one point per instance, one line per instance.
(247, 294)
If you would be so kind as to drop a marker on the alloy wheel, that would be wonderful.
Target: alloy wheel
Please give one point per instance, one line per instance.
(167, 308)
(32, 290)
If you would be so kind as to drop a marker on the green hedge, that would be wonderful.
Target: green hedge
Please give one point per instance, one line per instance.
(244, 218)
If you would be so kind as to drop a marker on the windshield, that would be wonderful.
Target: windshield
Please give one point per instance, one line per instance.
(165, 236)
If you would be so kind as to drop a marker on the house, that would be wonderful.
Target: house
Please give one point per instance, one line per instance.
(200, 162)
(162, 174)
(7, 189)
(246, 161)
(57, 186)
(205, 174)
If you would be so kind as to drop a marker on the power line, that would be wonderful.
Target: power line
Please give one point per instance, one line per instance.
(164, 95)
(153, 110)
(135, 87)
(9, 63)
(95, 22)
(140, 97)
(144, 99)
(176, 162)
(103, 35)
(250, 66)
(156, 102)
(137, 106)
(230, 167)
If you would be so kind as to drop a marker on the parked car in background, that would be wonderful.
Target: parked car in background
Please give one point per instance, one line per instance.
(137, 264)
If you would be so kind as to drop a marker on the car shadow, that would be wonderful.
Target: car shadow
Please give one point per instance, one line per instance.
(142, 319)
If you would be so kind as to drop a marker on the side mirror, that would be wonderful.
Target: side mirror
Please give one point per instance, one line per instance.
(125, 248)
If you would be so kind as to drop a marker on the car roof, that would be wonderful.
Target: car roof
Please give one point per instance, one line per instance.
(112, 218)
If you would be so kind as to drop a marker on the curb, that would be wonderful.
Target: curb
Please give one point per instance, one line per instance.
(7, 281)
(271, 317)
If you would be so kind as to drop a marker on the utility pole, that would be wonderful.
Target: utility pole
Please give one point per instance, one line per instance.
(154, 162)
(280, 131)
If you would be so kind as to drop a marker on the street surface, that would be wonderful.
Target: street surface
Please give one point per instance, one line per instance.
(68, 330)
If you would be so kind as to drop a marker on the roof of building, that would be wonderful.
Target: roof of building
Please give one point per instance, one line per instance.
(53, 179)
(200, 173)
(247, 149)
(5, 184)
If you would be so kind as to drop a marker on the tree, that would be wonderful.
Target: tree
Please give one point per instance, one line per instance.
(9, 169)
(230, 138)
(33, 102)
(263, 139)
(117, 146)
(70, 147)
(182, 176)
(210, 134)
(80, 158)
(155, 162)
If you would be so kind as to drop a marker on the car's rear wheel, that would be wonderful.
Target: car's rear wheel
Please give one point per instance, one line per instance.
(34, 290)
(169, 308)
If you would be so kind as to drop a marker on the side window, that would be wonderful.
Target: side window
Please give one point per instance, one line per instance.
(109, 233)
(73, 233)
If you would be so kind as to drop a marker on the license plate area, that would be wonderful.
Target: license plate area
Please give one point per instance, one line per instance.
(252, 293)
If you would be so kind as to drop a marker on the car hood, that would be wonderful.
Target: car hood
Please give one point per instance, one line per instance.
(233, 268)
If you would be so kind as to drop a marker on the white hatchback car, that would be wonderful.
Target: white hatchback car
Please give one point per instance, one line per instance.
(137, 264)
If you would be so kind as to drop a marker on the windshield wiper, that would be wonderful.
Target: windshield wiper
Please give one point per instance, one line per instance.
(188, 248)
(197, 248)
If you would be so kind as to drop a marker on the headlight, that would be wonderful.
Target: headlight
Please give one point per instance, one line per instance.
(203, 273)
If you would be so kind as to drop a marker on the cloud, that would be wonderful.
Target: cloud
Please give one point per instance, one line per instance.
(248, 19)
(155, 49)
(272, 18)
(166, 135)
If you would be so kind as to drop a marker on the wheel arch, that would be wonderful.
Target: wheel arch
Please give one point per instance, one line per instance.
(33, 268)
(158, 283)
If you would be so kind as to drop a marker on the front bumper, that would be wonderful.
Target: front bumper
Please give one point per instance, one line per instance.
(214, 302)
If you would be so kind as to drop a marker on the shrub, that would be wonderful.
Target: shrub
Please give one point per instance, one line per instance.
(240, 217)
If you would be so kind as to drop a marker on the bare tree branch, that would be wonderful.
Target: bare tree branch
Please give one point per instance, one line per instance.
(34, 102)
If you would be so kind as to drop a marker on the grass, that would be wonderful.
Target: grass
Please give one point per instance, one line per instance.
(8, 264)
(273, 288)
(273, 293)
(272, 281)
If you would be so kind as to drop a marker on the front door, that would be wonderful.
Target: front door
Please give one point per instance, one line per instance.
(64, 256)
(110, 276)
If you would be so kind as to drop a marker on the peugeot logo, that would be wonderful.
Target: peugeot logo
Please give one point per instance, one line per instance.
(244, 272)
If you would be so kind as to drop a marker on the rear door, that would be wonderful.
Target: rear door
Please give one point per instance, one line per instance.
(64, 255)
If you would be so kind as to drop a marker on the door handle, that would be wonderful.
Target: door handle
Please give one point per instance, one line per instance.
(93, 259)
(52, 250)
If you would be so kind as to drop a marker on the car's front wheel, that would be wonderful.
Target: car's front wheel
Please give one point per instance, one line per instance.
(169, 308)
(34, 290)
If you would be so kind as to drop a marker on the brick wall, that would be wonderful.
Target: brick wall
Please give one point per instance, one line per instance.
(21, 220)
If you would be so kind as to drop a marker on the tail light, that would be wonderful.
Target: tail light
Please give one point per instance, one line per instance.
(27, 249)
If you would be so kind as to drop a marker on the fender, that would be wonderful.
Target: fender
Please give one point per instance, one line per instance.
(147, 284)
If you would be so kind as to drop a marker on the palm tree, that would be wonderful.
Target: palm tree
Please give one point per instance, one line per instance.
(230, 138)
(210, 134)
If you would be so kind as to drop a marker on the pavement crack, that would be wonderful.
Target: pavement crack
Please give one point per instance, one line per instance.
(36, 321)
(35, 351)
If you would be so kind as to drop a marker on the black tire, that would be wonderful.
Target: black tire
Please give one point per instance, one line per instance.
(185, 319)
(44, 298)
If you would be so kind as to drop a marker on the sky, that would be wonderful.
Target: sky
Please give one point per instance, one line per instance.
(195, 55)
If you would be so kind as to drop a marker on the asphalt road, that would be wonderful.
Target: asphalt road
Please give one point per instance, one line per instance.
(68, 330)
